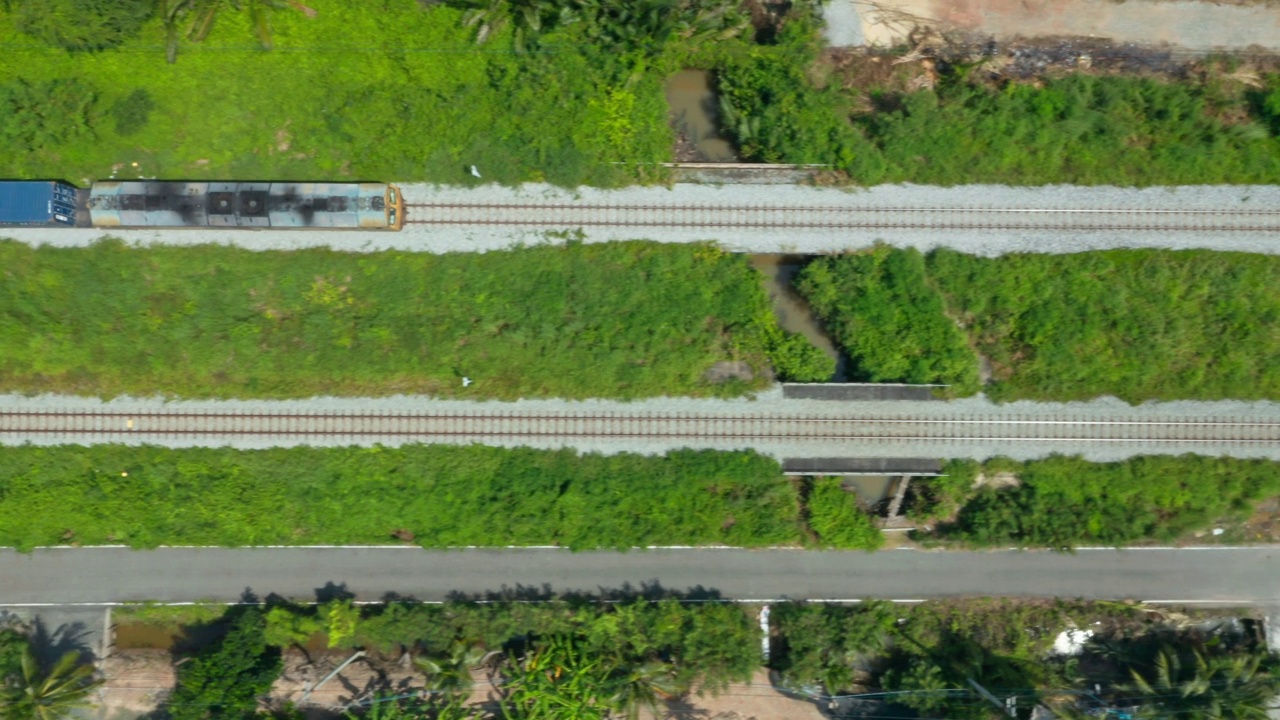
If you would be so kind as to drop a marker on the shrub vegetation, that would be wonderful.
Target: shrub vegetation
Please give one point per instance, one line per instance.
(1062, 501)
(228, 678)
(571, 93)
(610, 655)
(835, 517)
(1080, 129)
(1137, 324)
(923, 657)
(893, 324)
(608, 320)
(433, 495)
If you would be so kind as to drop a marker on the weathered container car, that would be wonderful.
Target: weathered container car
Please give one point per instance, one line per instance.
(363, 206)
(156, 204)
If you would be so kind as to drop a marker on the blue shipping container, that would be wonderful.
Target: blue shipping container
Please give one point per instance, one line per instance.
(37, 203)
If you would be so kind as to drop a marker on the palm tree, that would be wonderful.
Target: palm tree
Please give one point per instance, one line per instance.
(643, 686)
(451, 675)
(528, 18)
(198, 17)
(1220, 687)
(51, 694)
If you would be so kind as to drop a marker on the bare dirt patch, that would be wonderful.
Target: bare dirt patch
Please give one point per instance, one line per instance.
(138, 681)
(1183, 23)
(997, 481)
(727, 370)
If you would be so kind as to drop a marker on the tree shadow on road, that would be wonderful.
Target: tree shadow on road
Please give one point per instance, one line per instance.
(650, 590)
(50, 645)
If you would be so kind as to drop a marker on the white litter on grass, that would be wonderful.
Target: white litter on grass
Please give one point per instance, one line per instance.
(1071, 642)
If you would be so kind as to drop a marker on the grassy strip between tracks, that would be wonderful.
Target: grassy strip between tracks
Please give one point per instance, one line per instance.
(620, 320)
(434, 496)
(1062, 501)
(1138, 324)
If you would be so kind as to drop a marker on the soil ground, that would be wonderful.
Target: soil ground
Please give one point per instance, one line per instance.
(1183, 23)
(138, 680)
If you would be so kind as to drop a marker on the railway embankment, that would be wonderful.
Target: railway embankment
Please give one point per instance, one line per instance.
(1099, 430)
(983, 220)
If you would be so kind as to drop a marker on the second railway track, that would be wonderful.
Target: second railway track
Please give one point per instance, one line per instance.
(824, 217)
(109, 426)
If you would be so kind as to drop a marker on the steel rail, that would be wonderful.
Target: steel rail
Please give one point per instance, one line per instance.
(801, 225)
(115, 423)
(842, 208)
(656, 416)
(842, 217)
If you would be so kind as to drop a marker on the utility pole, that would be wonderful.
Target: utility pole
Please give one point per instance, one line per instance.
(1007, 708)
(359, 654)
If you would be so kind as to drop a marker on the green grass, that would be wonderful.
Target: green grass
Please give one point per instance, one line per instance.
(1137, 324)
(379, 89)
(604, 320)
(1061, 501)
(444, 496)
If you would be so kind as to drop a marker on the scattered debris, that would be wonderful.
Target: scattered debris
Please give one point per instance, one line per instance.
(1071, 642)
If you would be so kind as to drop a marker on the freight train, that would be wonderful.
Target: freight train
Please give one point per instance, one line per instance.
(168, 204)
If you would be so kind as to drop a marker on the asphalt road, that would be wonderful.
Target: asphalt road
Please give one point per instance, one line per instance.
(107, 575)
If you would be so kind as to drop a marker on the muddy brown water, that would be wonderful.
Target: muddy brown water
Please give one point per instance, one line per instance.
(695, 113)
(793, 312)
(870, 489)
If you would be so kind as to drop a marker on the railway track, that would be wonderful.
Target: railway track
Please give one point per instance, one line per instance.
(300, 427)
(819, 217)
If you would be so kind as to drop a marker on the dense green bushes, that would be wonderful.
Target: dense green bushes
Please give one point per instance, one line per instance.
(433, 495)
(924, 657)
(881, 308)
(544, 659)
(571, 93)
(1137, 324)
(608, 656)
(608, 320)
(1079, 129)
(835, 517)
(1064, 501)
(44, 116)
(81, 24)
(771, 109)
(228, 678)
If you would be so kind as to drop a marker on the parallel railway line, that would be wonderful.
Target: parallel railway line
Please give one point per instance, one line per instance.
(428, 427)
(751, 217)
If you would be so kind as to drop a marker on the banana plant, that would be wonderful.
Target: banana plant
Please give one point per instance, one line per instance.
(194, 19)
